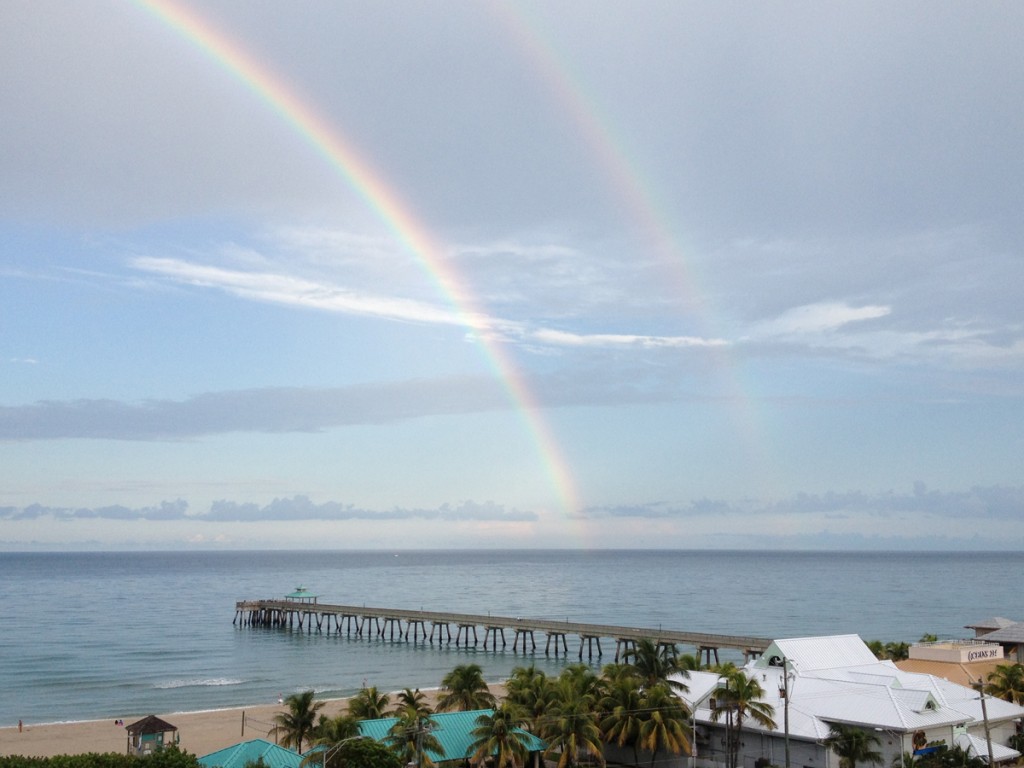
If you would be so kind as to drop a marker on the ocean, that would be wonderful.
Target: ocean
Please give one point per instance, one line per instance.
(107, 635)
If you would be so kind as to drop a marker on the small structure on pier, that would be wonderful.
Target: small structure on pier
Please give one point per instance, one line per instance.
(302, 595)
(150, 734)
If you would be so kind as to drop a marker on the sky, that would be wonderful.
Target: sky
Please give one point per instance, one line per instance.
(545, 275)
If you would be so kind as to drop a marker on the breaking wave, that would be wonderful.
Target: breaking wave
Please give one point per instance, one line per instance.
(207, 683)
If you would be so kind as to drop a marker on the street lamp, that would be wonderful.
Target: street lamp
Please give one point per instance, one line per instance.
(331, 751)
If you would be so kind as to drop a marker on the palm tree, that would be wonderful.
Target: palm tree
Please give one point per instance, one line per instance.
(853, 745)
(897, 651)
(412, 701)
(570, 724)
(739, 698)
(529, 689)
(499, 734)
(877, 647)
(369, 704)
(655, 663)
(411, 739)
(363, 752)
(664, 722)
(465, 689)
(332, 730)
(689, 662)
(958, 757)
(620, 707)
(296, 725)
(1006, 682)
(583, 679)
(904, 760)
(1016, 741)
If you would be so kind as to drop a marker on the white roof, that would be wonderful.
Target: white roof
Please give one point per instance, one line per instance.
(809, 653)
(838, 680)
(976, 747)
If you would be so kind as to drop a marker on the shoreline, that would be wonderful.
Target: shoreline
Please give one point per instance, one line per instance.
(201, 731)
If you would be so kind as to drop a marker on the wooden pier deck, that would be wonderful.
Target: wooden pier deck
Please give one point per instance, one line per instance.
(408, 625)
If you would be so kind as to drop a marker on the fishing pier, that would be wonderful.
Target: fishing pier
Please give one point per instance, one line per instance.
(301, 612)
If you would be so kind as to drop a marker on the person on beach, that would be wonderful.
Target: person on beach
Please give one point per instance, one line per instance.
(19, 726)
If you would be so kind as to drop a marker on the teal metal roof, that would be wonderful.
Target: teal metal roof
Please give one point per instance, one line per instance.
(240, 755)
(452, 729)
(301, 593)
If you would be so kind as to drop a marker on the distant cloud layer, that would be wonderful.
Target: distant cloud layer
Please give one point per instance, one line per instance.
(275, 409)
(991, 503)
(979, 503)
(292, 509)
(305, 409)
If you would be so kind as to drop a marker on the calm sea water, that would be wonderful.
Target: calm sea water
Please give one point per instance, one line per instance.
(106, 635)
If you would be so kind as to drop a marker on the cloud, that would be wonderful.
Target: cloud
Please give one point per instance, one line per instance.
(275, 288)
(271, 410)
(293, 509)
(526, 286)
(819, 318)
(166, 510)
(987, 503)
(321, 294)
(565, 338)
(846, 330)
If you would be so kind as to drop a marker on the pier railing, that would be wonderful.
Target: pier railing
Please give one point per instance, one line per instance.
(386, 623)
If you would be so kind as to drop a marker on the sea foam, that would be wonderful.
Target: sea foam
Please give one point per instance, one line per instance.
(215, 681)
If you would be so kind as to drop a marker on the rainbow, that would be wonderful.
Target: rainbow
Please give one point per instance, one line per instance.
(640, 204)
(385, 202)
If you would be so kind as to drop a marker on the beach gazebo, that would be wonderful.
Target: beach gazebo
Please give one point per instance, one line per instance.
(302, 595)
(150, 734)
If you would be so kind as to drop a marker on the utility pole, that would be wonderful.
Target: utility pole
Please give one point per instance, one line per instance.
(984, 715)
(785, 702)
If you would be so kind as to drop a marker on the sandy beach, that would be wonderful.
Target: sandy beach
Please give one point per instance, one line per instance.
(201, 732)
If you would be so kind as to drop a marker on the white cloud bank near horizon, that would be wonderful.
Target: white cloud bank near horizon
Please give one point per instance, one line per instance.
(902, 520)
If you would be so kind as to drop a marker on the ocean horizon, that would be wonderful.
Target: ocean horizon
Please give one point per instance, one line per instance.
(102, 635)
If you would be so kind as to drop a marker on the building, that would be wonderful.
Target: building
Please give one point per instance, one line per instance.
(150, 734)
(814, 683)
(1008, 634)
(966, 662)
(254, 752)
(454, 732)
(302, 595)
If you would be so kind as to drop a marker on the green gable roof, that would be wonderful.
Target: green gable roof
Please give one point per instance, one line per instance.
(247, 752)
(452, 729)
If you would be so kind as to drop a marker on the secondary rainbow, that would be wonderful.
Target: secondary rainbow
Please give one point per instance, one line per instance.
(388, 206)
(639, 203)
